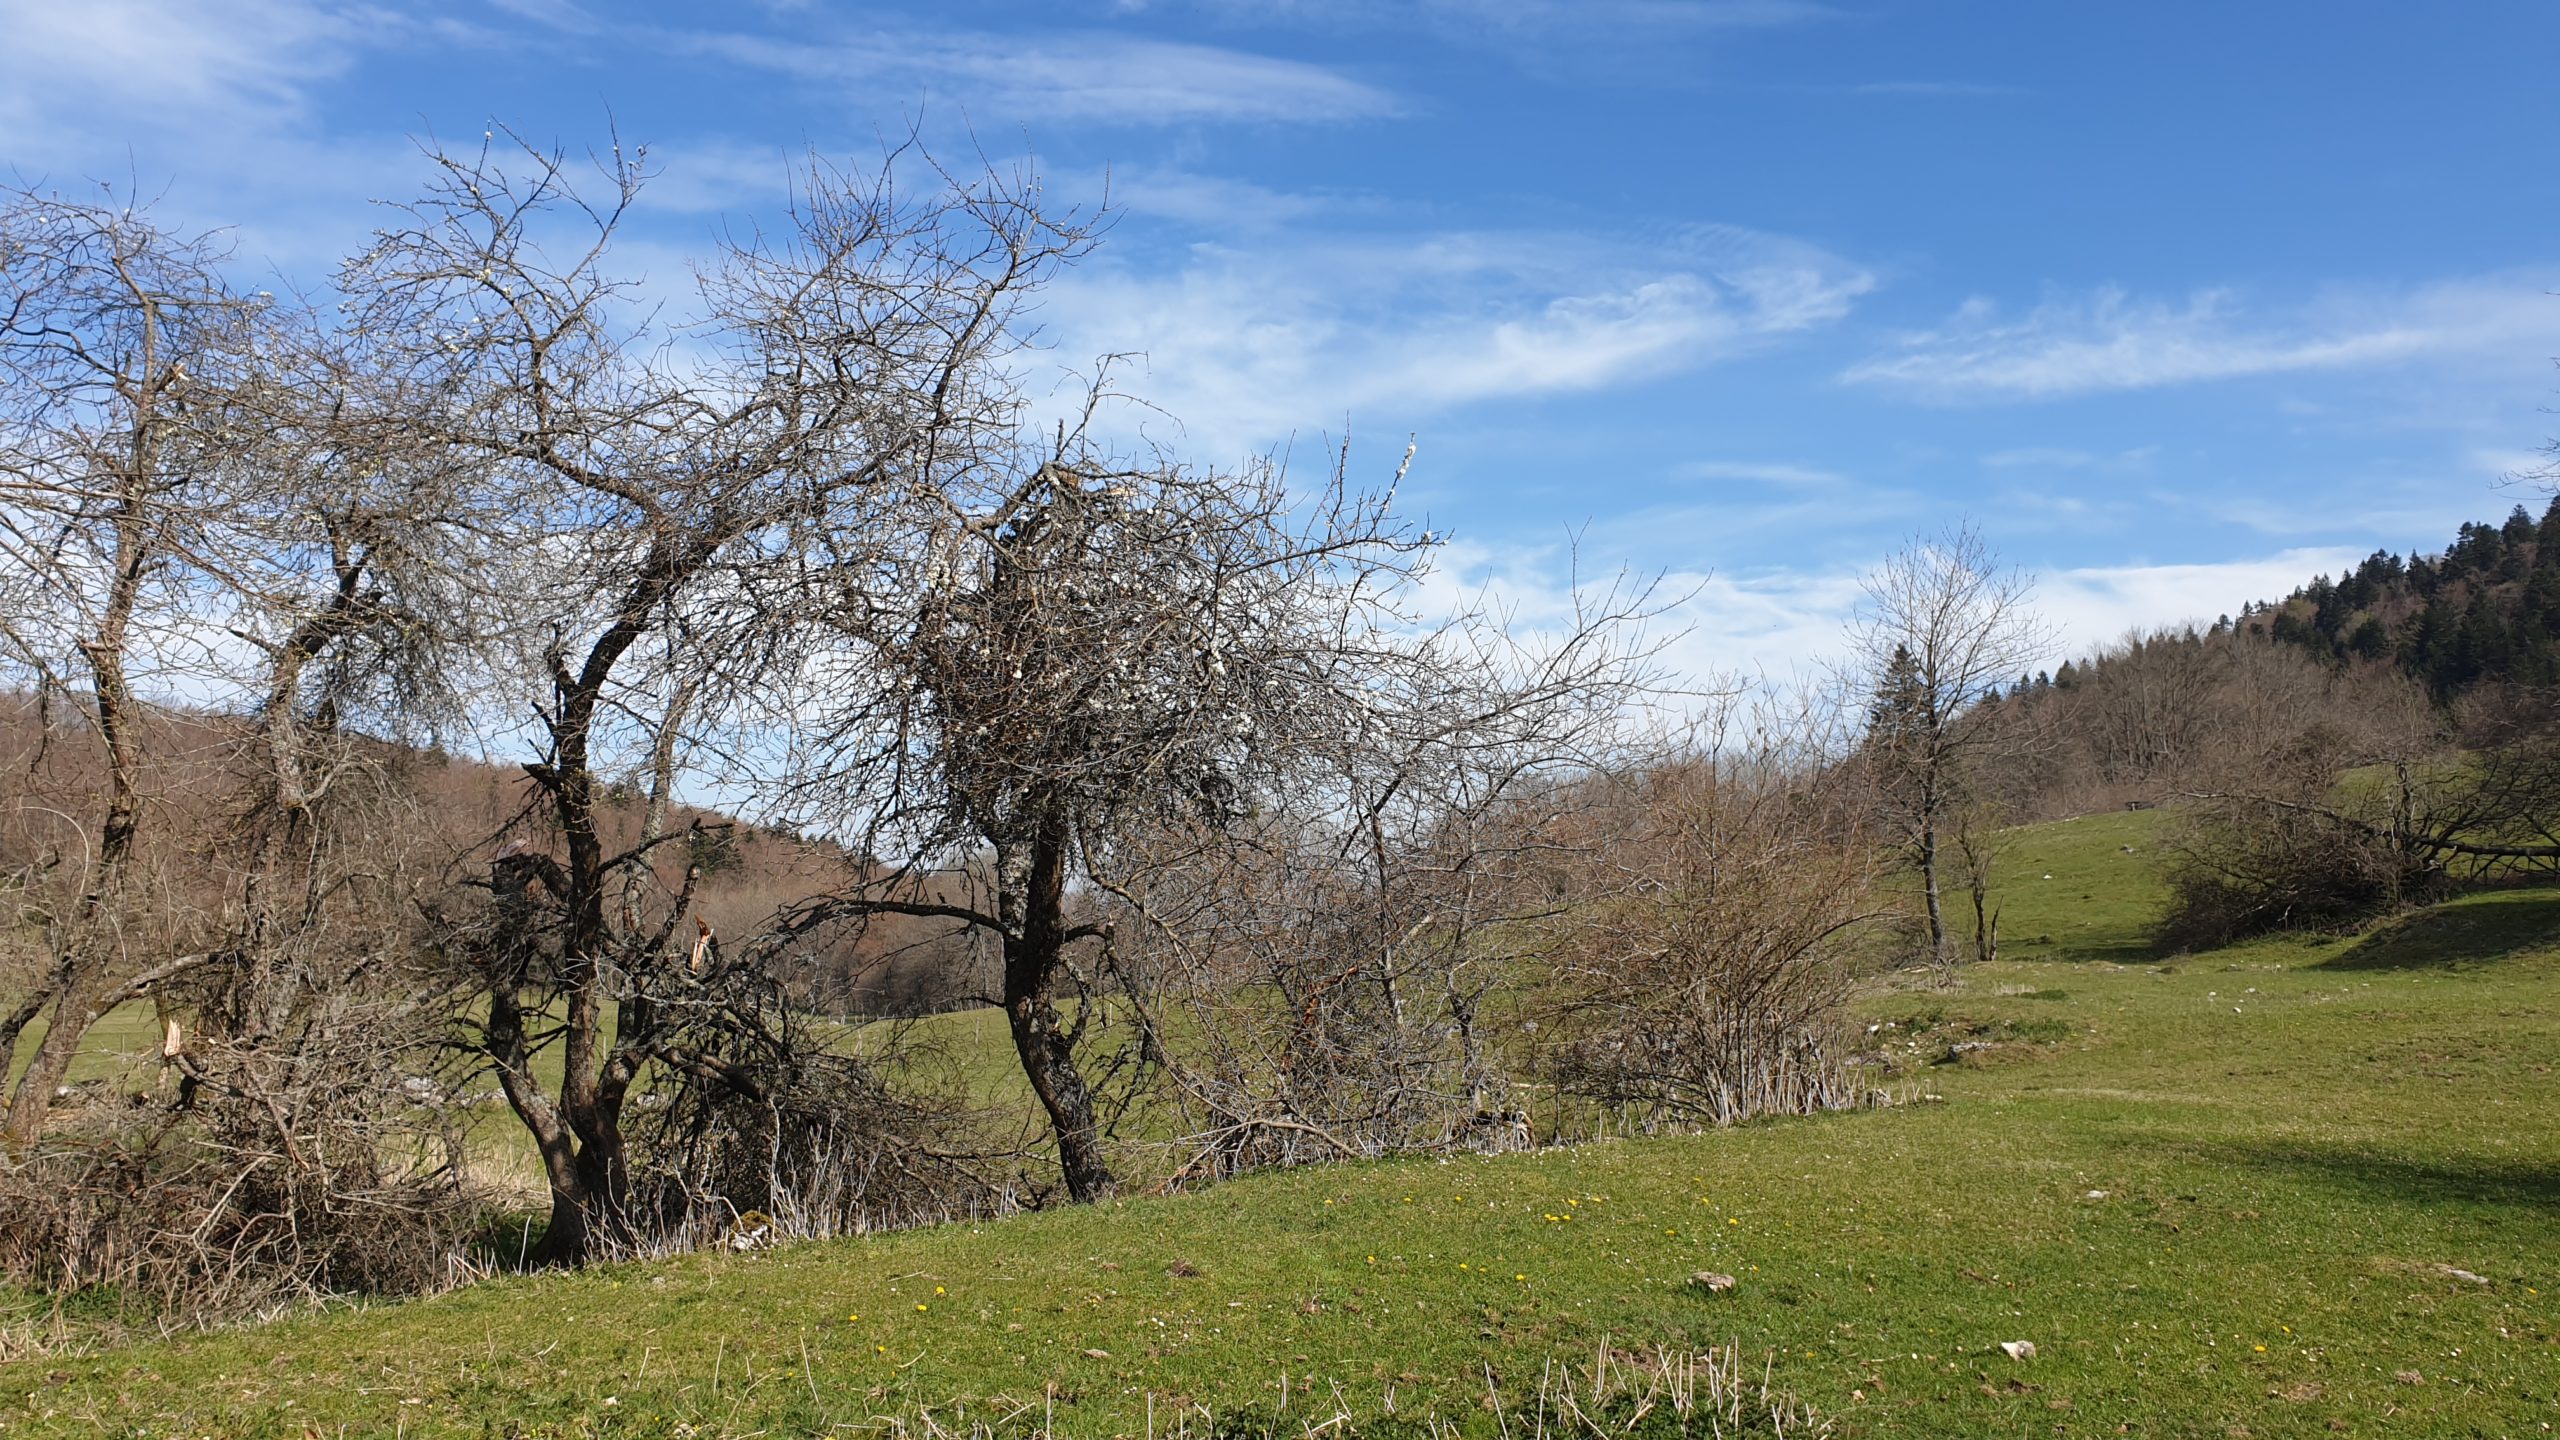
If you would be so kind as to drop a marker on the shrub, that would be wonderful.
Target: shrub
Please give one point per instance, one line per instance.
(196, 1218)
(2243, 869)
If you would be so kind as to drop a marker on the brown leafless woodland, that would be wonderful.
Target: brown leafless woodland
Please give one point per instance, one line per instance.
(1190, 771)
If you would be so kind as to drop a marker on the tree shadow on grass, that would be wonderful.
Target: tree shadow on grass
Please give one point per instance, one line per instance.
(2121, 951)
(2385, 1175)
(2468, 933)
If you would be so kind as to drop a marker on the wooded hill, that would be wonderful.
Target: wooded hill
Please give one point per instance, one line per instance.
(2485, 610)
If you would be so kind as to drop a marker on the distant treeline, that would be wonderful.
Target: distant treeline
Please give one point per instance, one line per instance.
(2484, 611)
(2465, 642)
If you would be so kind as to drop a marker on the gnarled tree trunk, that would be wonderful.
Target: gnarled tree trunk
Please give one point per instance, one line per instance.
(1034, 945)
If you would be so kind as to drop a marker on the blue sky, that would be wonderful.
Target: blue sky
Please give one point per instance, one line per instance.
(2178, 302)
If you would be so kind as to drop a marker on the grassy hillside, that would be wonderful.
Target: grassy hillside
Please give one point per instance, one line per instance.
(2292, 1188)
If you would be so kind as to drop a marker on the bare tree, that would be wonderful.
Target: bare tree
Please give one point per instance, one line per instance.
(1119, 687)
(122, 349)
(1092, 652)
(677, 498)
(1944, 627)
(227, 593)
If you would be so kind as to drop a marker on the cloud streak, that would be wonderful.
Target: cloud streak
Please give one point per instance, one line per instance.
(1089, 76)
(1246, 344)
(2111, 341)
(1757, 472)
(155, 60)
(1521, 18)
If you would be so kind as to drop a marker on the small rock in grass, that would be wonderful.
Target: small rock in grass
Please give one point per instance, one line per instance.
(2455, 1272)
(2018, 1349)
(1717, 1284)
(2095, 1195)
(1097, 1354)
(2408, 1377)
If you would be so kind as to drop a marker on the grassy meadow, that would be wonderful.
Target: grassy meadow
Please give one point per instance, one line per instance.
(2302, 1186)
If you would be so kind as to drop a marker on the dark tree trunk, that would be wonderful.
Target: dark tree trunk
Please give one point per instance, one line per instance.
(580, 1136)
(1929, 870)
(1033, 949)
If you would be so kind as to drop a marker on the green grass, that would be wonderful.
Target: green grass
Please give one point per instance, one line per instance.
(125, 1043)
(2084, 889)
(2222, 1194)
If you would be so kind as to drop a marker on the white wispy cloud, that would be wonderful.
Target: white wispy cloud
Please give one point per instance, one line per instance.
(148, 61)
(1657, 43)
(2064, 457)
(1213, 204)
(2420, 513)
(2110, 340)
(2093, 605)
(1759, 472)
(1088, 76)
(2533, 467)
(566, 16)
(1247, 344)
(1791, 622)
(212, 112)
(1502, 16)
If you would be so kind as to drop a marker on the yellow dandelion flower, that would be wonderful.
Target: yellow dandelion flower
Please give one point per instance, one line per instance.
(938, 1290)
(919, 1305)
(1519, 1277)
(849, 1319)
